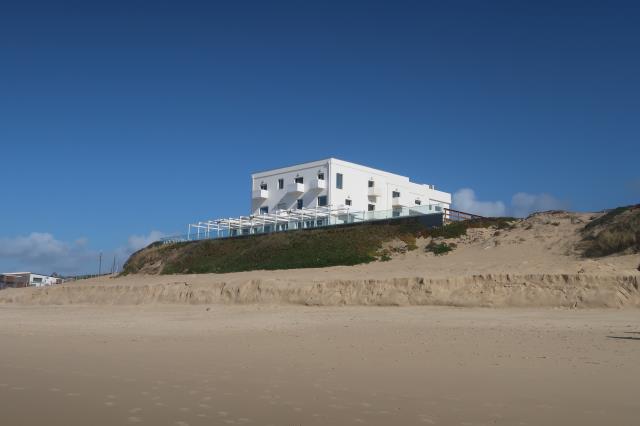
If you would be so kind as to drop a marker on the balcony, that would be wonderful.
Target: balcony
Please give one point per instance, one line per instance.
(374, 192)
(395, 202)
(260, 194)
(319, 184)
(295, 188)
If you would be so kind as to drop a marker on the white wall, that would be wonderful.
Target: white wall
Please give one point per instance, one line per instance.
(355, 187)
(42, 280)
(280, 198)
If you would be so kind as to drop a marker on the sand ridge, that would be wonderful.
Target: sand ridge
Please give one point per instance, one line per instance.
(534, 263)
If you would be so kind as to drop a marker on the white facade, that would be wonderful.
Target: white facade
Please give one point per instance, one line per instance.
(339, 183)
(25, 279)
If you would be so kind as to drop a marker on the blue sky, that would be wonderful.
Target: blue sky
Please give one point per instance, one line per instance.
(118, 119)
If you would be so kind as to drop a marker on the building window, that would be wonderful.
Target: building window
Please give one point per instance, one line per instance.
(371, 184)
(299, 179)
(299, 203)
(396, 212)
(280, 183)
(322, 200)
(347, 202)
(263, 186)
(37, 279)
(418, 202)
(320, 176)
(371, 207)
(395, 194)
(339, 180)
(264, 210)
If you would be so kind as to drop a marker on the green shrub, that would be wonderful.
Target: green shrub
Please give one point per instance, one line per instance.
(439, 248)
(615, 232)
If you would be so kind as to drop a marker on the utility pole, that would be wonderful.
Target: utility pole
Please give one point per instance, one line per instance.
(100, 264)
(113, 267)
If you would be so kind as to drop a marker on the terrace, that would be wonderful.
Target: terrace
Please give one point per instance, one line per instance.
(305, 218)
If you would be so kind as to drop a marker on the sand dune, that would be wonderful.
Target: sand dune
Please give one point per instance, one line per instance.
(499, 290)
(533, 264)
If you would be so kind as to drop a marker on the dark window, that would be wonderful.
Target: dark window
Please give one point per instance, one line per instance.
(339, 180)
(396, 212)
(280, 183)
(263, 186)
(264, 210)
(347, 202)
(322, 200)
(371, 207)
(320, 176)
(300, 203)
(418, 202)
(395, 194)
(299, 180)
(371, 184)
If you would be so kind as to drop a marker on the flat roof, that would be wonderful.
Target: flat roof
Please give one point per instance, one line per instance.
(323, 160)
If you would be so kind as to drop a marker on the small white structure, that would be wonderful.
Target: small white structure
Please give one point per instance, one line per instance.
(338, 183)
(26, 279)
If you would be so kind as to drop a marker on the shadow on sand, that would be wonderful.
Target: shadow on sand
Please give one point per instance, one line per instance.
(626, 337)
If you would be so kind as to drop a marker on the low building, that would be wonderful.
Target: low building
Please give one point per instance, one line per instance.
(27, 279)
(338, 183)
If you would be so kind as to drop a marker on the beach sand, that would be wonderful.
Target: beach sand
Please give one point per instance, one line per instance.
(297, 365)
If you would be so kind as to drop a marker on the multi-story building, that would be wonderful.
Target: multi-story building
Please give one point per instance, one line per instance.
(334, 182)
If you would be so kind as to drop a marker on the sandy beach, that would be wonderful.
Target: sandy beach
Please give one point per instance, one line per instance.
(295, 365)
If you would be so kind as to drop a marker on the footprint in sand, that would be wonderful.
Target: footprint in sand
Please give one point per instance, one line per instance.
(181, 423)
(134, 419)
(54, 390)
(135, 410)
(109, 403)
(223, 413)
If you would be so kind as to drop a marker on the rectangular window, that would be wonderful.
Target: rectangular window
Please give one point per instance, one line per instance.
(339, 180)
(322, 200)
(299, 180)
(371, 207)
(299, 203)
(418, 202)
(320, 176)
(395, 194)
(263, 186)
(280, 183)
(264, 210)
(371, 184)
(347, 202)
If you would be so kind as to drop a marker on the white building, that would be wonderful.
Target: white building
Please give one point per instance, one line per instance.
(26, 279)
(334, 182)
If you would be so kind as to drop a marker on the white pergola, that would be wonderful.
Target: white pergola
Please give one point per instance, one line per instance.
(294, 219)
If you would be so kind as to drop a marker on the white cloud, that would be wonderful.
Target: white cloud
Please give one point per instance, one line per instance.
(137, 242)
(522, 204)
(42, 252)
(466, 201)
